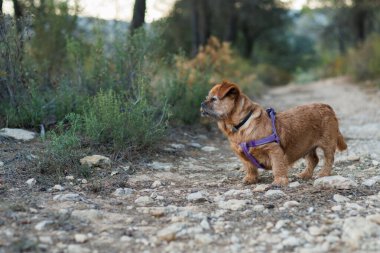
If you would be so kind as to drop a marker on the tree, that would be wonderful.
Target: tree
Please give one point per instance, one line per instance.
(138, 18)
(17, 9)
(200, 23)
(1, 7)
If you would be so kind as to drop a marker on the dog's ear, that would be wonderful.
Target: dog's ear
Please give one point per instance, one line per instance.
(226, 89)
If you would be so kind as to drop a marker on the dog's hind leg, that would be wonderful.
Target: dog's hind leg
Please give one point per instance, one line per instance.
(312, 161)
(329, 153)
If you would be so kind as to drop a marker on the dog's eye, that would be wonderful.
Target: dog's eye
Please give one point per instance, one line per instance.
(213, 99)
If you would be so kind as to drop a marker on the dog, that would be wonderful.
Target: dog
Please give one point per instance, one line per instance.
(301, 130)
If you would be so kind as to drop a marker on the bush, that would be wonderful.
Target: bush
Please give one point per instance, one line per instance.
(271, 75)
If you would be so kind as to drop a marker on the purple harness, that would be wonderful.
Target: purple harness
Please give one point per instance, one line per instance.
(254, 143)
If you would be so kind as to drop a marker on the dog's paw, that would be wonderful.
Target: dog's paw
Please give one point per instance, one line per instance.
(249, 180)
(280, 182)
(304, 176)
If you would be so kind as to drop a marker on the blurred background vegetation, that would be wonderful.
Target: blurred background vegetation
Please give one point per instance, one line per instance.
(120, 84)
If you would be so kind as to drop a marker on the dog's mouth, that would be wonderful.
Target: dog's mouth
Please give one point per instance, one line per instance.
(208, 113)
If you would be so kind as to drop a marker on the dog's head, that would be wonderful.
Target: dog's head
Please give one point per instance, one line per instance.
(220, 101)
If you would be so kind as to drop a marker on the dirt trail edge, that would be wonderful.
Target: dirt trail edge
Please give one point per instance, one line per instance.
(190, 198)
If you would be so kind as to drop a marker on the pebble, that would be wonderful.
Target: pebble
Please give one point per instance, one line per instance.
(236, 193)
(375, 163)
(17, 134)
(196, 197)
(340, 198)
(353, 158)
(337, 182)
(70, 178)
(58, 188)
(1, 163)
(294, 184)
(143, 201)
(372, 181)
(203, 238)
(209, 149)
(156, 184)
(314, 231)
(84, 181)
(261, 187)
(177, 145)
(354, 206)
(233, 204)
(374, 218)
(356, 229)
(195, 145)
(290, 204)
(205, 225)
(291, 242)
(160, 166)
(74, 248)
(67, 197)
(336, 208)
(258, 208)
(123, 191)
(274, 194)
(80, 238)
(31, 182)
(96, 161)
(170, 232)
(46, 239)
(42, 224)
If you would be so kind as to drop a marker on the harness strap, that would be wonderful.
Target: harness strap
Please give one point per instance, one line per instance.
(254, 143)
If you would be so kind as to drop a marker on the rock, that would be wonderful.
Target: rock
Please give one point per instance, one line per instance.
(57, 188)
(336, 208)
(274, 194)
(337, 182)
(356, 229)
(156, 184)
(67, 197)
(292, 242)
(339, 198)
(209, 149)
(261, 187)
(143, 201)
(80, 238)
(233, 204)
(42, 224)
(375, 163)
(160, 166)
(17, 134)
(177, 145)
(96, 161)
(353, 158)
(84, 181)
(1, 163)
(375, 218)
(290, 204)
(258, 208)
(115, 172)
(74, 248)
(294, 184)
(203, 238)
(195, 145)
(87, 214)
(236, 193)
(354, 206)
(123, 191)
(280, 224)
(31, 182)
(372, 181)
(170, 232)
(205, 225)
(196, 197)
(314, 230)
(46, 239)
(70, 178)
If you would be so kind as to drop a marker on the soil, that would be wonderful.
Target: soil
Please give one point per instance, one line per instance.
(189, 197)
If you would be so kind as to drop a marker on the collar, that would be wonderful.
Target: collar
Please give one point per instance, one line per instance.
(236, 128)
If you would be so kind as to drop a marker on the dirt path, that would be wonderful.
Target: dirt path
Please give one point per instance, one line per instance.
(190, 198)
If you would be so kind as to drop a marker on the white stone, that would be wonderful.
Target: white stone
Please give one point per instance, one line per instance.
(209, 149)
(274, 194)
(196, 197)
(290, 204)
(236, 193)
(84, 181)
(115, 172)
(374, 218)
(203, 238)
(74, 248)
(336, 208)
(143, 201)
(258, 208)
(156, 184)
(87, 214)
(177, 145)
(195, 145)
(31, 182)
(96, 161)
(375, 163)
(42, 224)
(314, 230)
(233, 204)
(67, 197)
(353, 158)
(372, 181)
(280, 224)
(340, 198)
(292, 241)
(70, 178)
(80, 238)
(337, 182)
(170, 232)
(354, 206)
(355, 229)
(160, 166)
(58, 188)
(46, 239)
(18, 134)
(1, 163)
(205, 225)
(123, 191)
(294, 184)
(261, 187)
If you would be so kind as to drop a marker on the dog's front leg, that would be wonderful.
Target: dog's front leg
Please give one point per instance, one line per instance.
(279, 167)
(252, 174)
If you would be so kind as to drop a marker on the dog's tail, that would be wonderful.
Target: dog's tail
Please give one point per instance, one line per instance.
(341, 143)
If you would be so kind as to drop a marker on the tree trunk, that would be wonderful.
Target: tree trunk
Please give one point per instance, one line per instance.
(231, 31)
(360, 22)
(138, 15)
(249, 39)
(17, 8)
(1, 7)
(200, 24)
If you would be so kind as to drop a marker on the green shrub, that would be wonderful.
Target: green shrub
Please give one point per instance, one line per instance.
(271, 75)
(126, 124)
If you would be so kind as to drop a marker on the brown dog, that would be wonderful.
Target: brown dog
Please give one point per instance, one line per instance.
(302, 130)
